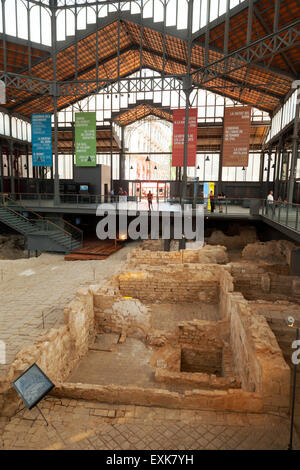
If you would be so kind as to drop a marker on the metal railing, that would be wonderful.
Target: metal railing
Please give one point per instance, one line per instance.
(83, 200)
(54, 224)
(283, 213)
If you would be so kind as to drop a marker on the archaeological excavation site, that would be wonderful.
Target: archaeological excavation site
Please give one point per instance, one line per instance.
(199, 329)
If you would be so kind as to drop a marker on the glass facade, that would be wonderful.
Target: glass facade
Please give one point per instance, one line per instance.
(17, 128)
(30, 20)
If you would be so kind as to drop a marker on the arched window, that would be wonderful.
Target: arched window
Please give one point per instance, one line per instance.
(14, 127)
(24, 130)
(19, 129)
(6, 125)
(1, 124)
(22, 23)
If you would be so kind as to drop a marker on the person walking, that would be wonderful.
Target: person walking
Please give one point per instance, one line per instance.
(212, 201)
(150, 197)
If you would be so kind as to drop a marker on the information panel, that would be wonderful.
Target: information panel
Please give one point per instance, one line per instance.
(237, 127)
(85, 139)
(41, 131)
(32, 386)
(178, 137)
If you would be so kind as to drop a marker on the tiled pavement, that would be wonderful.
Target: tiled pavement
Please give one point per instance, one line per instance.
(77, 424)
(30, 287)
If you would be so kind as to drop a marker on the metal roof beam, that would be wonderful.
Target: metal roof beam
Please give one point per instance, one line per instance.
(268, 30)
(254, 53)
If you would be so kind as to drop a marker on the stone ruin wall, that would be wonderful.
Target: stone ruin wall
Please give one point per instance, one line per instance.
(277, 252)
(175, 284)
(233, 242)
(56, 353)
(146, 254)
(256, 282)
(257, 359)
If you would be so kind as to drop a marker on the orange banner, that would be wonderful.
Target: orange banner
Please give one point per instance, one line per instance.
(178, 137)
(236, 139)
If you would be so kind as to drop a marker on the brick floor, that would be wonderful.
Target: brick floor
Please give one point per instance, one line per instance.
(46, 284)
(76, 424)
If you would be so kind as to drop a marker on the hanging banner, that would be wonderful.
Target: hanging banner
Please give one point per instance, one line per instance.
(85, 139)
(178, 137)
(236, 138)
(41, 136)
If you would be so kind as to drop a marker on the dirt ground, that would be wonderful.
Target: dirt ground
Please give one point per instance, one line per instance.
(12, 247)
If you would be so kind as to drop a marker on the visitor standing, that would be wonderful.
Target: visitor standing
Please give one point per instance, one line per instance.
(270, 201)
(212, 201)
(150, 197)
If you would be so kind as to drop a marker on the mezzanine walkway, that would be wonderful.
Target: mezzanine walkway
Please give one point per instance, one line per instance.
(284, 217)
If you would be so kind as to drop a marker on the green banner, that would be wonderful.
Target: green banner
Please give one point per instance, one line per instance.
(85, 139)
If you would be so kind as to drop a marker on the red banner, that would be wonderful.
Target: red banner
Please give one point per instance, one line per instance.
(178, 137)
(237, 128)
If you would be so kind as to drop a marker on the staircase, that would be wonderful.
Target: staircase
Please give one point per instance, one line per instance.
(51, 234)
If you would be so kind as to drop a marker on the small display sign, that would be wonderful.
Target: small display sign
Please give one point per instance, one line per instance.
(32, 386)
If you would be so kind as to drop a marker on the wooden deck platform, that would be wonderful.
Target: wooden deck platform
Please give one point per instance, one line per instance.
(94, 250)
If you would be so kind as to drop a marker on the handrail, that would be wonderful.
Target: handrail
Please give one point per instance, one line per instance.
(66, 222)
(57, 226)
(103, 196)
(39, 217)
(17, 213)
(20, 204)
(46, 221)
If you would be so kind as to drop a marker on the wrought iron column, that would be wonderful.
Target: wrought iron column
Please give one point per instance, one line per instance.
(278, 163)
(1, 170)
(55, 93)
(220, 175)
(122, 158)
(295, 150)
(111, 158)
(56, 174)
(187, 88)
(11, 166)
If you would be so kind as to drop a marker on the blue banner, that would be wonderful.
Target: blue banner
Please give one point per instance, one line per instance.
(41, 131)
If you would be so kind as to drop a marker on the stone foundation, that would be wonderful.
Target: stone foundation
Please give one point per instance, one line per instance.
(232, 364)
(278, 252)
(185, 284)
(146, 254)
(257, 282)
(247, 235)
(56, 353)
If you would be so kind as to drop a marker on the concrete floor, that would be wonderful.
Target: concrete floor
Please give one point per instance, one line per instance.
(127, 364)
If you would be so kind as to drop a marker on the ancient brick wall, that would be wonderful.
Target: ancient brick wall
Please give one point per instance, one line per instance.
(186, 283)
(226, 400)
(257, 356)
(275, 251)
(57, 352)
(254, 282)
(207, 334)
(114, 314)
(151, 257)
